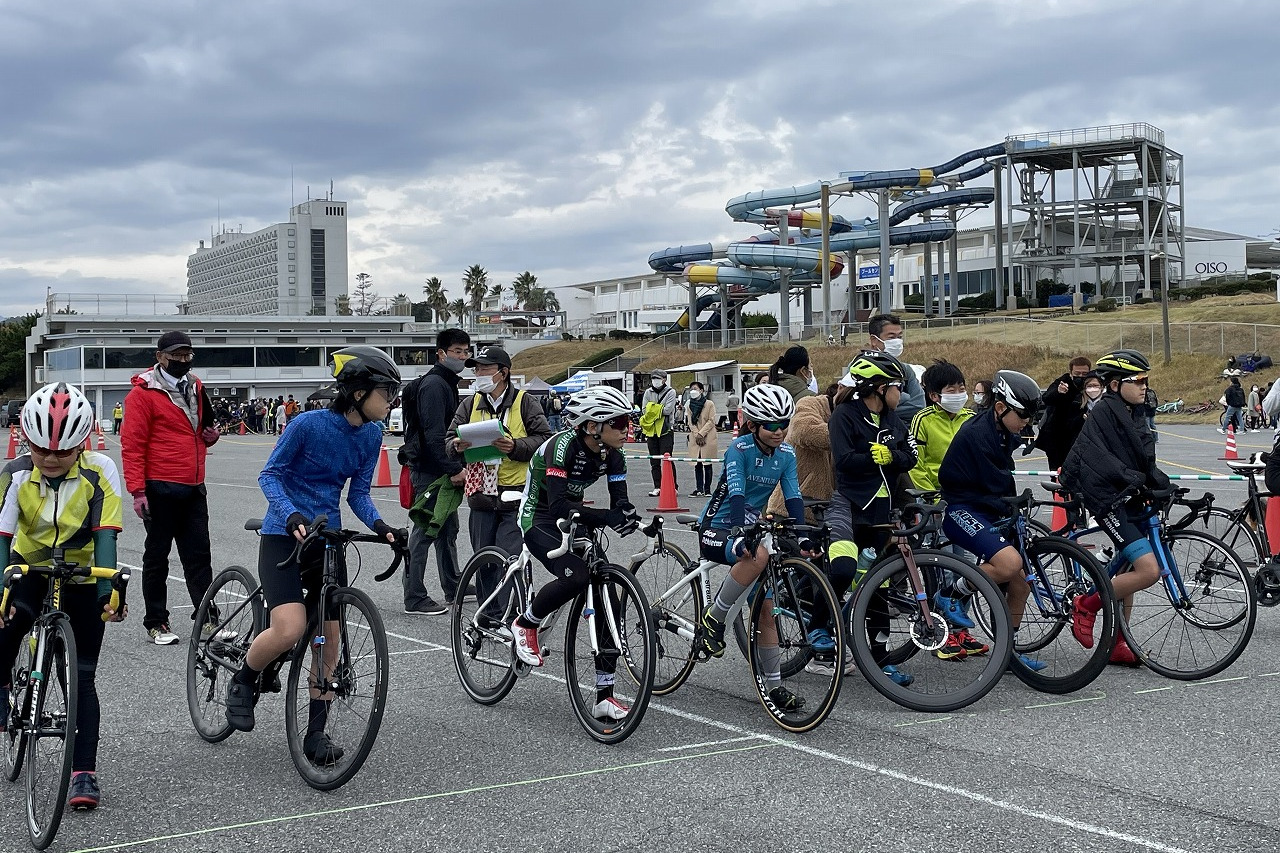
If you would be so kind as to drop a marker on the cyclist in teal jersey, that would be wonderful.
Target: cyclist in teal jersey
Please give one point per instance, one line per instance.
(754, 465)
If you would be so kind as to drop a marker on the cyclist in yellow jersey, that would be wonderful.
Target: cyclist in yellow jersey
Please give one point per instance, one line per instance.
(59, 496)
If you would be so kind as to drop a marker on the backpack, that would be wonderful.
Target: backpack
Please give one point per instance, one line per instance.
(409, 406)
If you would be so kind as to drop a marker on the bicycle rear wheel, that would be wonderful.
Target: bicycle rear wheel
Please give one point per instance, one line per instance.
(675, 601)
(51, 740)
(1236, 534)
(20, 696)
(1063, 572)
(482, 650)
(887, 619)
(798, 697)
(234, 610)
(1204, 634)
(624, 635)
(349, 666)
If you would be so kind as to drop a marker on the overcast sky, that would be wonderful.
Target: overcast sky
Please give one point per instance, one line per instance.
(570, 139)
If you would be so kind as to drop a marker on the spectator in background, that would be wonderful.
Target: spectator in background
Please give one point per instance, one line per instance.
(163, 451)
(1064, 412)
(1092, 392)
(657, 422)
(1234, 395)
(792, 373)
(731, 403)
(981, 395)
(117, 415)
(702, 438)
(885, 334)
(555, 408)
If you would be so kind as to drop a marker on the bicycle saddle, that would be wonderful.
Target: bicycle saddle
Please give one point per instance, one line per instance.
(925, 495)
(1253, 463)
(687, 520)
(253, 524)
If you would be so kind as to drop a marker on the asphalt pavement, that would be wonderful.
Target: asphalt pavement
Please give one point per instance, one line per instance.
(1133, 762)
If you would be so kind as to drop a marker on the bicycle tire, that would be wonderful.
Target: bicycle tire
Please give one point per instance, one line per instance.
(1204, 635)
(1063, 571)
(235, 599)
(1235, 533)
(785, 585)
(51, 742)
(360, 678)
(676, 604)
(20, 694)
(622, 606)
(483, 655)
(936, 685)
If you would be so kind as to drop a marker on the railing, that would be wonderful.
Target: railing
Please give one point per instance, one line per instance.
(1103, 133)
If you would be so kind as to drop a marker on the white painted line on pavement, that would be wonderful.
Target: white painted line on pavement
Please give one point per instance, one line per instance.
(923, 722)
(1216, 681)
(1151, 690)
(1068, 701)
(706, 743)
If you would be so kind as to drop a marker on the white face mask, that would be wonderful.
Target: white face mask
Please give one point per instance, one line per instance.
(1093, 392)
(893, 347)
(483, 384)
(694, 394)
(980, 399)
(813, 383)
(954, 402)
(657, 383)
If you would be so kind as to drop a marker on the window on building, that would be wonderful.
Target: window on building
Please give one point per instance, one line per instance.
(117, 358)
(289, 356)
(417, 356)
(207, 357)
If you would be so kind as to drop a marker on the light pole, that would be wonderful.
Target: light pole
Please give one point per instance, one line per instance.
(1164, 302)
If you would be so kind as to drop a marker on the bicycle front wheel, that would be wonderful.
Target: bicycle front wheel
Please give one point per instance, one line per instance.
(675, 601)
(230, 615)
(338, 691)
(482, 647)
(51, 738)
(20, 697)
(1047, 655)
(892, 620)
(1202, 634)
(797, 689)
(1236, 534)
(609, 700)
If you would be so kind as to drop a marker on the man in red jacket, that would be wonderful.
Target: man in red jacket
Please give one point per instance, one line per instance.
(163, 447)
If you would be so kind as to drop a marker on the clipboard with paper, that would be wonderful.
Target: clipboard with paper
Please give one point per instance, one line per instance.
(481, 435)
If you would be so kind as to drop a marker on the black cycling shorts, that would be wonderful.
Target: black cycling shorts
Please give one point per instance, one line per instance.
(298, 582)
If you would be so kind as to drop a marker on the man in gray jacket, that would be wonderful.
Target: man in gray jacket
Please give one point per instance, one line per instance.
(885, 335)
(428, 400)
(661, 439)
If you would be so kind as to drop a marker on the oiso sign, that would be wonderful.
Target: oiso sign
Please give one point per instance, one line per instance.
(1211, 268)
(1208, 258)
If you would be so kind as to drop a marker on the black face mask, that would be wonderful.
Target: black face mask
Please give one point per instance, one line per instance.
(177, 369)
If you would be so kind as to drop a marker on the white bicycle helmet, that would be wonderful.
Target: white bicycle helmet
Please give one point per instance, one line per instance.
(598, 404)
(57, 417)
(762, 404)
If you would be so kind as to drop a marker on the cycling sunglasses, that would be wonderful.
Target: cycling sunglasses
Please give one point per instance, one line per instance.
(774, 426)
(60, 454)
(620, 423)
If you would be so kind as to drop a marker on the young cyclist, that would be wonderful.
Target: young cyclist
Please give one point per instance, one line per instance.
(559, 474)
(933, 428)
(59, 496)
(870, 448)
(1114, 455)
(754, 465)
(320, 452)
(975, 476)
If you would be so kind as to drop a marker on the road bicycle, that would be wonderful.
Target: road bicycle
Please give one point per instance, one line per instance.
(40, 729)
(785, 593)
(341, 657)
(1058, 570)
(1172, 407)
(607, 624)
(1198, 618)
(1201, 408)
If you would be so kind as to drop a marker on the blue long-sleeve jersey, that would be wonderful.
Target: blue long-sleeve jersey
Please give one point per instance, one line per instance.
(318, 453)
(749, 477)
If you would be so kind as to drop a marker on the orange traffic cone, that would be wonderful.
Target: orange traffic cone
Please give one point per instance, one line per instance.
(1230, 451)
(242, 429)
(102, 439)
(1058, 521)
(383, 476)
(88, 442)
(667, 499)
(13, 444)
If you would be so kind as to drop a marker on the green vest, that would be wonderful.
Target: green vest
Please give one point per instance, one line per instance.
(510, 472)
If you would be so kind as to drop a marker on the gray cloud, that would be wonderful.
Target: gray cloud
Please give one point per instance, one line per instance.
(569, 139)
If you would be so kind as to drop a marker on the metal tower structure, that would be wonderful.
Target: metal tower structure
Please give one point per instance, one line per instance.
(1099, 201)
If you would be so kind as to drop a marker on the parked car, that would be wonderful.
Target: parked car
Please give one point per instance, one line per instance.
(11, 412)
(395, 423)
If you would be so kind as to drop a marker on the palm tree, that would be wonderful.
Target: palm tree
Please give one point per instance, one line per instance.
(459, 309)
(495, 292)
(541, 299)
(522, 286)
(475, 284)
(436, 298)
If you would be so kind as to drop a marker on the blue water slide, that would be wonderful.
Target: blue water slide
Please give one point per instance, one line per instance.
(949, 198)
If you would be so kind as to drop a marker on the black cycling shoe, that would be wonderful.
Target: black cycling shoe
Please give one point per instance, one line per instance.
(320, 749)
(712, 634)
(785, 699)
(241, 698)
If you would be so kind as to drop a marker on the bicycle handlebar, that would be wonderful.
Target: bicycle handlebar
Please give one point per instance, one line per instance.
(119, 581)
(565, 526)
(319, 529)
(926, 512)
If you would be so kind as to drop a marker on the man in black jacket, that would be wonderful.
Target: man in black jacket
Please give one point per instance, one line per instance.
(430, 401)
(1064, 414)
(1235, 406)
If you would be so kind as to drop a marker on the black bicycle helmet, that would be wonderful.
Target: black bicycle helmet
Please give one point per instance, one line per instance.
(363, 367)
(1018, 391)
(1121, 364)
(871, 369)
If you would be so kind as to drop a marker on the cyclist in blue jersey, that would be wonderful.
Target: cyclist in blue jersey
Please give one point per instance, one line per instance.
(559, 474)
(317, 455)
(754, 465)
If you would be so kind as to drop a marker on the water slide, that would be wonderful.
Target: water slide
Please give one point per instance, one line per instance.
(750, 268)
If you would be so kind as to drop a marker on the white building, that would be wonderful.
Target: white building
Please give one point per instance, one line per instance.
(293, 268)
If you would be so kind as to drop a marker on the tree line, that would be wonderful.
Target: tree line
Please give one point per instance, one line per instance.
(438, 305)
